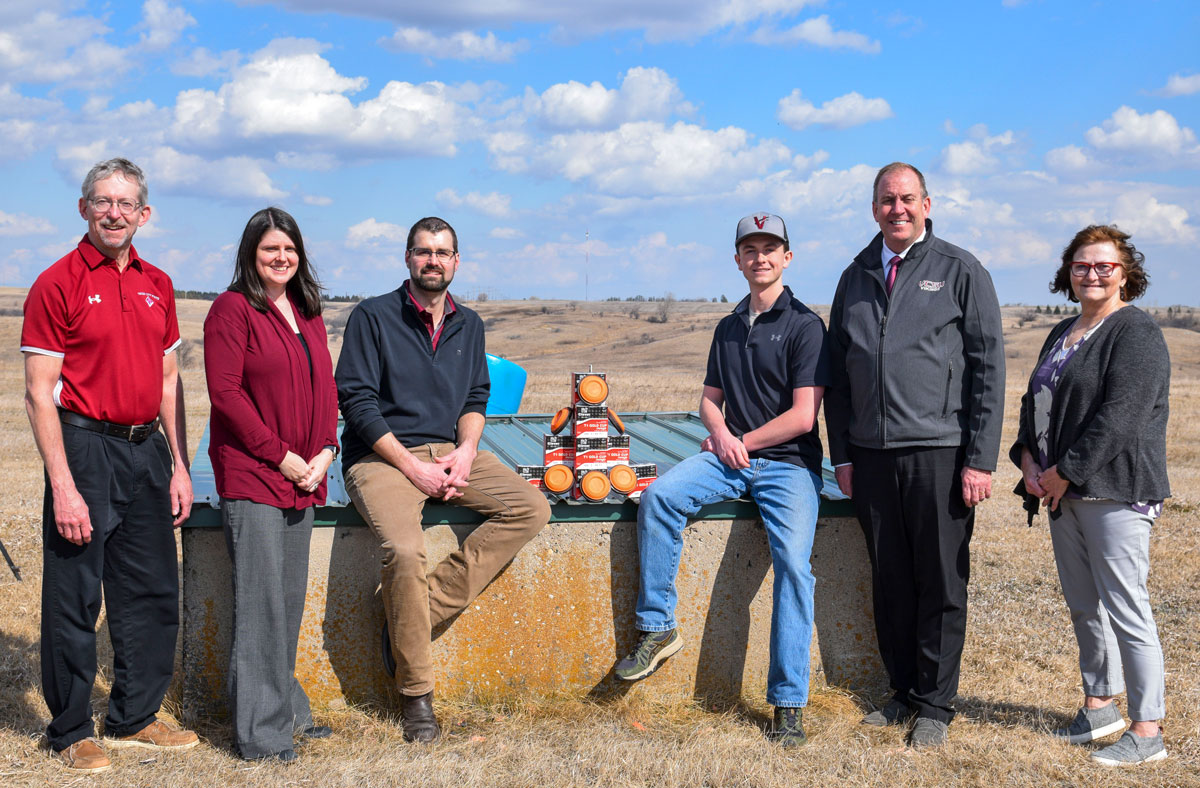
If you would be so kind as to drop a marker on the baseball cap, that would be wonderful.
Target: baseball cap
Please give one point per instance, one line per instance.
(761, 223)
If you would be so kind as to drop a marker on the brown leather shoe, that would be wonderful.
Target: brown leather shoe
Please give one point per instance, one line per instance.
(155, 736)
(84, 756)
(416, 713)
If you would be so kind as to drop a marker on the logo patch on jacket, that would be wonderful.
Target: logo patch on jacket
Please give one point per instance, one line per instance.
(931, 287)
(151, 298)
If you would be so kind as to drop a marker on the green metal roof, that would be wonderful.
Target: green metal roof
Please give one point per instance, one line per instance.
(661, 438)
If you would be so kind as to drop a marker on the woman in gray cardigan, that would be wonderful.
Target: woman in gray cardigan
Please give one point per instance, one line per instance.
(1092, 448)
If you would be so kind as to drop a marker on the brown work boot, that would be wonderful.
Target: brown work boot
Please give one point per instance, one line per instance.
(84, 756)
(417, 720)
(155, 736)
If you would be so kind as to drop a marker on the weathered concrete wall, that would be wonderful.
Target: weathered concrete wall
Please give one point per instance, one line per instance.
(554, 622)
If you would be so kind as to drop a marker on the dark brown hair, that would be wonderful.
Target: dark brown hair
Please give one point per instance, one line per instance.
(432, 225)
(304, 286)
(1136, 278)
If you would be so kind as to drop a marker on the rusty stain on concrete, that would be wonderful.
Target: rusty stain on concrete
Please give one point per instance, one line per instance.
(554, 622)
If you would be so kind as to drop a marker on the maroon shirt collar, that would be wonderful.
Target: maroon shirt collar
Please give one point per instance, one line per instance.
(427, 317)
(95, 258)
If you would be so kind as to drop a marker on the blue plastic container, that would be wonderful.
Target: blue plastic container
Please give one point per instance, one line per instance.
(508, 386)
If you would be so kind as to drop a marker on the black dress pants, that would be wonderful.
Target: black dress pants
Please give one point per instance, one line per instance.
(918, 531)
(132, 556)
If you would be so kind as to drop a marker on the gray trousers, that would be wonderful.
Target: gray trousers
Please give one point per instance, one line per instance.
(269, 551)
(1102, 549)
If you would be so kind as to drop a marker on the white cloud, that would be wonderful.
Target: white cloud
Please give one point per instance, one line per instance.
(667, 20)
(463, 45)
(373, 233)
(319, 162)
(1140, 213)
(1179, 85)
(802, 163)
(200, 62)
(836, 195)
(491, 204)
(505, 233)
(1069, 159)
(162, 24)
(817, 32)
(644, 94)
(644, 158)
(318, 200)
(1130, 139)
(16, 224)
(1157, 132)
(852, 109)
(20, 138)
(47, 47)
(289, 91)
(979, 155)
(231, 176)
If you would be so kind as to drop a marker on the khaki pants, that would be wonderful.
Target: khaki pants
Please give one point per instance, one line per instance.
(413, 600)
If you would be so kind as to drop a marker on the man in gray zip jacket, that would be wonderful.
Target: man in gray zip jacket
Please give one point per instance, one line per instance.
(913, 418)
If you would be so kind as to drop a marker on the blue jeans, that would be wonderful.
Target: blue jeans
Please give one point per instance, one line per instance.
(787, 499)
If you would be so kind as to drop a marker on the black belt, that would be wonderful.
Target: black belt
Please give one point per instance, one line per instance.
(133, 433)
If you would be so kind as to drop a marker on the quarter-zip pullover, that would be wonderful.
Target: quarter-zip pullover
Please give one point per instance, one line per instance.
(386, 348)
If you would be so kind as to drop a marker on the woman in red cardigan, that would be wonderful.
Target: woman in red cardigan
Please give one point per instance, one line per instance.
(273, 434)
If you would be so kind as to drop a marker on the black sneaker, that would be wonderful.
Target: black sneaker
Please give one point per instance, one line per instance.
(787, 728)
(651, 650)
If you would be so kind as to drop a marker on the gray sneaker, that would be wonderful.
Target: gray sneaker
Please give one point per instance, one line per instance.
(928, 732)
(894, 713)
(651, 650)
(1090, 724)
(1132, 749)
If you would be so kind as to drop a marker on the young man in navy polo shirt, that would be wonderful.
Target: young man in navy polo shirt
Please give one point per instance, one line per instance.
(99, 340)
(767, 370)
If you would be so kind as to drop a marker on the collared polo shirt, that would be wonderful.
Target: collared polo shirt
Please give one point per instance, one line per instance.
(435, 332)
(758, 367)
(111, 328)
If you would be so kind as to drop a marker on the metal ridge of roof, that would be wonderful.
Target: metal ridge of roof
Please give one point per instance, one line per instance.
(665, 438)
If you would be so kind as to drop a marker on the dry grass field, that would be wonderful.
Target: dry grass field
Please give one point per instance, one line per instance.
(1019, 673)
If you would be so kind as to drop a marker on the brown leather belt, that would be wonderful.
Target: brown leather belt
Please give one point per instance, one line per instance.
(135, 433)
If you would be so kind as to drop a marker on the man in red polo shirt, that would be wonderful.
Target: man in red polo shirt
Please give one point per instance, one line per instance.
(99, 340)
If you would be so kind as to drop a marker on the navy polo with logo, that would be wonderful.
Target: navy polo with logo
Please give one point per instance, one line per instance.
(758, 367)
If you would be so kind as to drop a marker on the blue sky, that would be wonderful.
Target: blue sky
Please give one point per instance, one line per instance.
(646, 128)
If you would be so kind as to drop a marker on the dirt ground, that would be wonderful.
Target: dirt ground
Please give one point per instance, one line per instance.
(1019, 674)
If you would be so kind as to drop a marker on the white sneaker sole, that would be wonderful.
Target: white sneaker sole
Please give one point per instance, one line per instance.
(667, 651)
(1158, 756)
(1092, 735)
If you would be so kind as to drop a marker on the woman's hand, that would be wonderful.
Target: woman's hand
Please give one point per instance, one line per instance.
(1054, 487)
(293, 467)
(314, 474)
(1031, 471)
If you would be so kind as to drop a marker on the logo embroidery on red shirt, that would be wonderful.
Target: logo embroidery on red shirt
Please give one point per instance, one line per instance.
(94, 299)
(151, 298)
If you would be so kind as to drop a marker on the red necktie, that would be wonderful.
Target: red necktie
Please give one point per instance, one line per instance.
(891, 277)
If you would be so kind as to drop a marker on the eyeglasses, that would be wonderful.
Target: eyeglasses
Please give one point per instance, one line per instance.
(102, 205)
(443, 255)
(1103, 270)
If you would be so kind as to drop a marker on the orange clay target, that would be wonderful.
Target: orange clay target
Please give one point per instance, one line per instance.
(593, 389)
(594, 485)
(623, 478)
(560, 420)
(615, 420)
(557, 479)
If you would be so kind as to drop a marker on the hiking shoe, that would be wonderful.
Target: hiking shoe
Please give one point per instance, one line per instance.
(315, 732)
(651, 649)
(787, 727)
(155, 736)
(927, 733)
(894, 713)
(1131, 750)
(84, 757)
(1091, 724)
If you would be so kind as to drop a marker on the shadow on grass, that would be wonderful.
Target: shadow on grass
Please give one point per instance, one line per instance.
(1016, 715)
(20, 672)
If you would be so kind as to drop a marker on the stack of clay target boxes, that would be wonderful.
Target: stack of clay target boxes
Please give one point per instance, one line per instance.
(581, 462)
